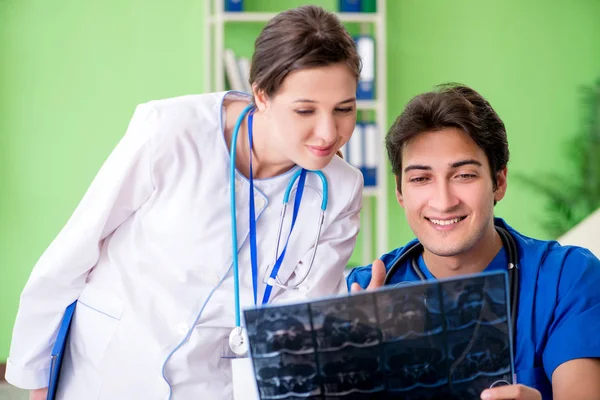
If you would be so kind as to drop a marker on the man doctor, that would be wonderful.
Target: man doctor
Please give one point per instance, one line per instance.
(449, 152)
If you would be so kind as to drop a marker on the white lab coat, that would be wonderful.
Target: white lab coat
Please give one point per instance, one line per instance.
(148, 254)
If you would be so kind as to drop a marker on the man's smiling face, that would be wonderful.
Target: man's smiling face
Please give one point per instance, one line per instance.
(447, 191)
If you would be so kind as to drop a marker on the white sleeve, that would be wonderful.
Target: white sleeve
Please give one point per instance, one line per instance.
(121, 186)
(335, 248)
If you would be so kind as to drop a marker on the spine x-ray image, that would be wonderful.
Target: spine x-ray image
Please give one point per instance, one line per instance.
(447, 339)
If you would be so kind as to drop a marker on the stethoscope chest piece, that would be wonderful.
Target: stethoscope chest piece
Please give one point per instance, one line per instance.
(238, 341)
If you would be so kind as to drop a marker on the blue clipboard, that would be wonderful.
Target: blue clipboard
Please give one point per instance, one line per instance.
(58, 351)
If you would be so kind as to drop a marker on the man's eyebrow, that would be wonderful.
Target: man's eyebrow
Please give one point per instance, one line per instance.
(417, 167)
(461, 163)
(456, 164)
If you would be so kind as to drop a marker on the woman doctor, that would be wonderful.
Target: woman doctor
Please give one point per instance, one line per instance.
(148, 251)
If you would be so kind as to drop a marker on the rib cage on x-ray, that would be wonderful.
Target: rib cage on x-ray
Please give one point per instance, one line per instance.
(431, 340)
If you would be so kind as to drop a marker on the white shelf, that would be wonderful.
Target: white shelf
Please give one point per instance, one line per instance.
(367, 104)
(264, 17)
(371, 191)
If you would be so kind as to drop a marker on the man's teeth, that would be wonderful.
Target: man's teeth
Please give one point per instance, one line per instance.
(445, 222)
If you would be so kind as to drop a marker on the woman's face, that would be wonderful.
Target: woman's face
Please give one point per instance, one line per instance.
(311, 116)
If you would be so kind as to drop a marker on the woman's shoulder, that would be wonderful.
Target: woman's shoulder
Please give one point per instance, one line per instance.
(194, 104)
(339, 169)
(338, 165)
(173, 119)
(344, 180)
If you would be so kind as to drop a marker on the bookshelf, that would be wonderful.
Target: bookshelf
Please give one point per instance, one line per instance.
(374, 214)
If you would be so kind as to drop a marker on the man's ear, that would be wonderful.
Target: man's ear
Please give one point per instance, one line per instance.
(399, 195)
(501, 183)
(260, 98)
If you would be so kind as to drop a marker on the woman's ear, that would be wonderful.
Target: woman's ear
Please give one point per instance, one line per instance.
(260, 98)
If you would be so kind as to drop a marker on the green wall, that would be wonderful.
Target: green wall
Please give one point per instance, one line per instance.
(71, 73)
(528, 58)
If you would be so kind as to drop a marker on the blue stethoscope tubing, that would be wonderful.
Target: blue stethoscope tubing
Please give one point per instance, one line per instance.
(234, 241)
(273, 279)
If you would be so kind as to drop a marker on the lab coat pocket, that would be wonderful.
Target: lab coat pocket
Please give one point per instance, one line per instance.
(244, 384)
(227, 355)
(96, 319)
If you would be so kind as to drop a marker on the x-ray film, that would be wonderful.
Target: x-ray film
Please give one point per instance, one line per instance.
(447, 339)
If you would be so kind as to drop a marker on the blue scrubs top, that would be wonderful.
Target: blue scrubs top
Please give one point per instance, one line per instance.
(559, 303)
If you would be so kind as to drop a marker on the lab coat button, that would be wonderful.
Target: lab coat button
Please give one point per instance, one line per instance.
(238, 184)
(260, 202)
(182, 328)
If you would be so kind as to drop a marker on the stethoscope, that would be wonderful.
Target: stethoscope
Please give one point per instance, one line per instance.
(509, 244)
(238, 339)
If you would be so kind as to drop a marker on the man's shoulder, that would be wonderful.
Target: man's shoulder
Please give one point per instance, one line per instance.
(549, 256)
(562, 288)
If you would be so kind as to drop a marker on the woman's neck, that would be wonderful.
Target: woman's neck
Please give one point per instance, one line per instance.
(266, 163)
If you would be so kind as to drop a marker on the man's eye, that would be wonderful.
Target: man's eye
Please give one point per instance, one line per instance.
(418, 179)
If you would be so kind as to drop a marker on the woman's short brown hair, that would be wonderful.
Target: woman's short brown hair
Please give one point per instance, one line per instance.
(303, 37)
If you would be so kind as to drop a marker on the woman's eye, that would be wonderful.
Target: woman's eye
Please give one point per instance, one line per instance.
(304, 112)
(345, 110)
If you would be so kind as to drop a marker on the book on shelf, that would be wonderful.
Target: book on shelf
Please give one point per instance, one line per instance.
(350, 5)
(362, 151)
(371, 151)
(234, 5)
(237, 70)
(365, 45)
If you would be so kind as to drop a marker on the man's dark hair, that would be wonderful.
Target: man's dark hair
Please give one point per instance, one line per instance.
(450, 106)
